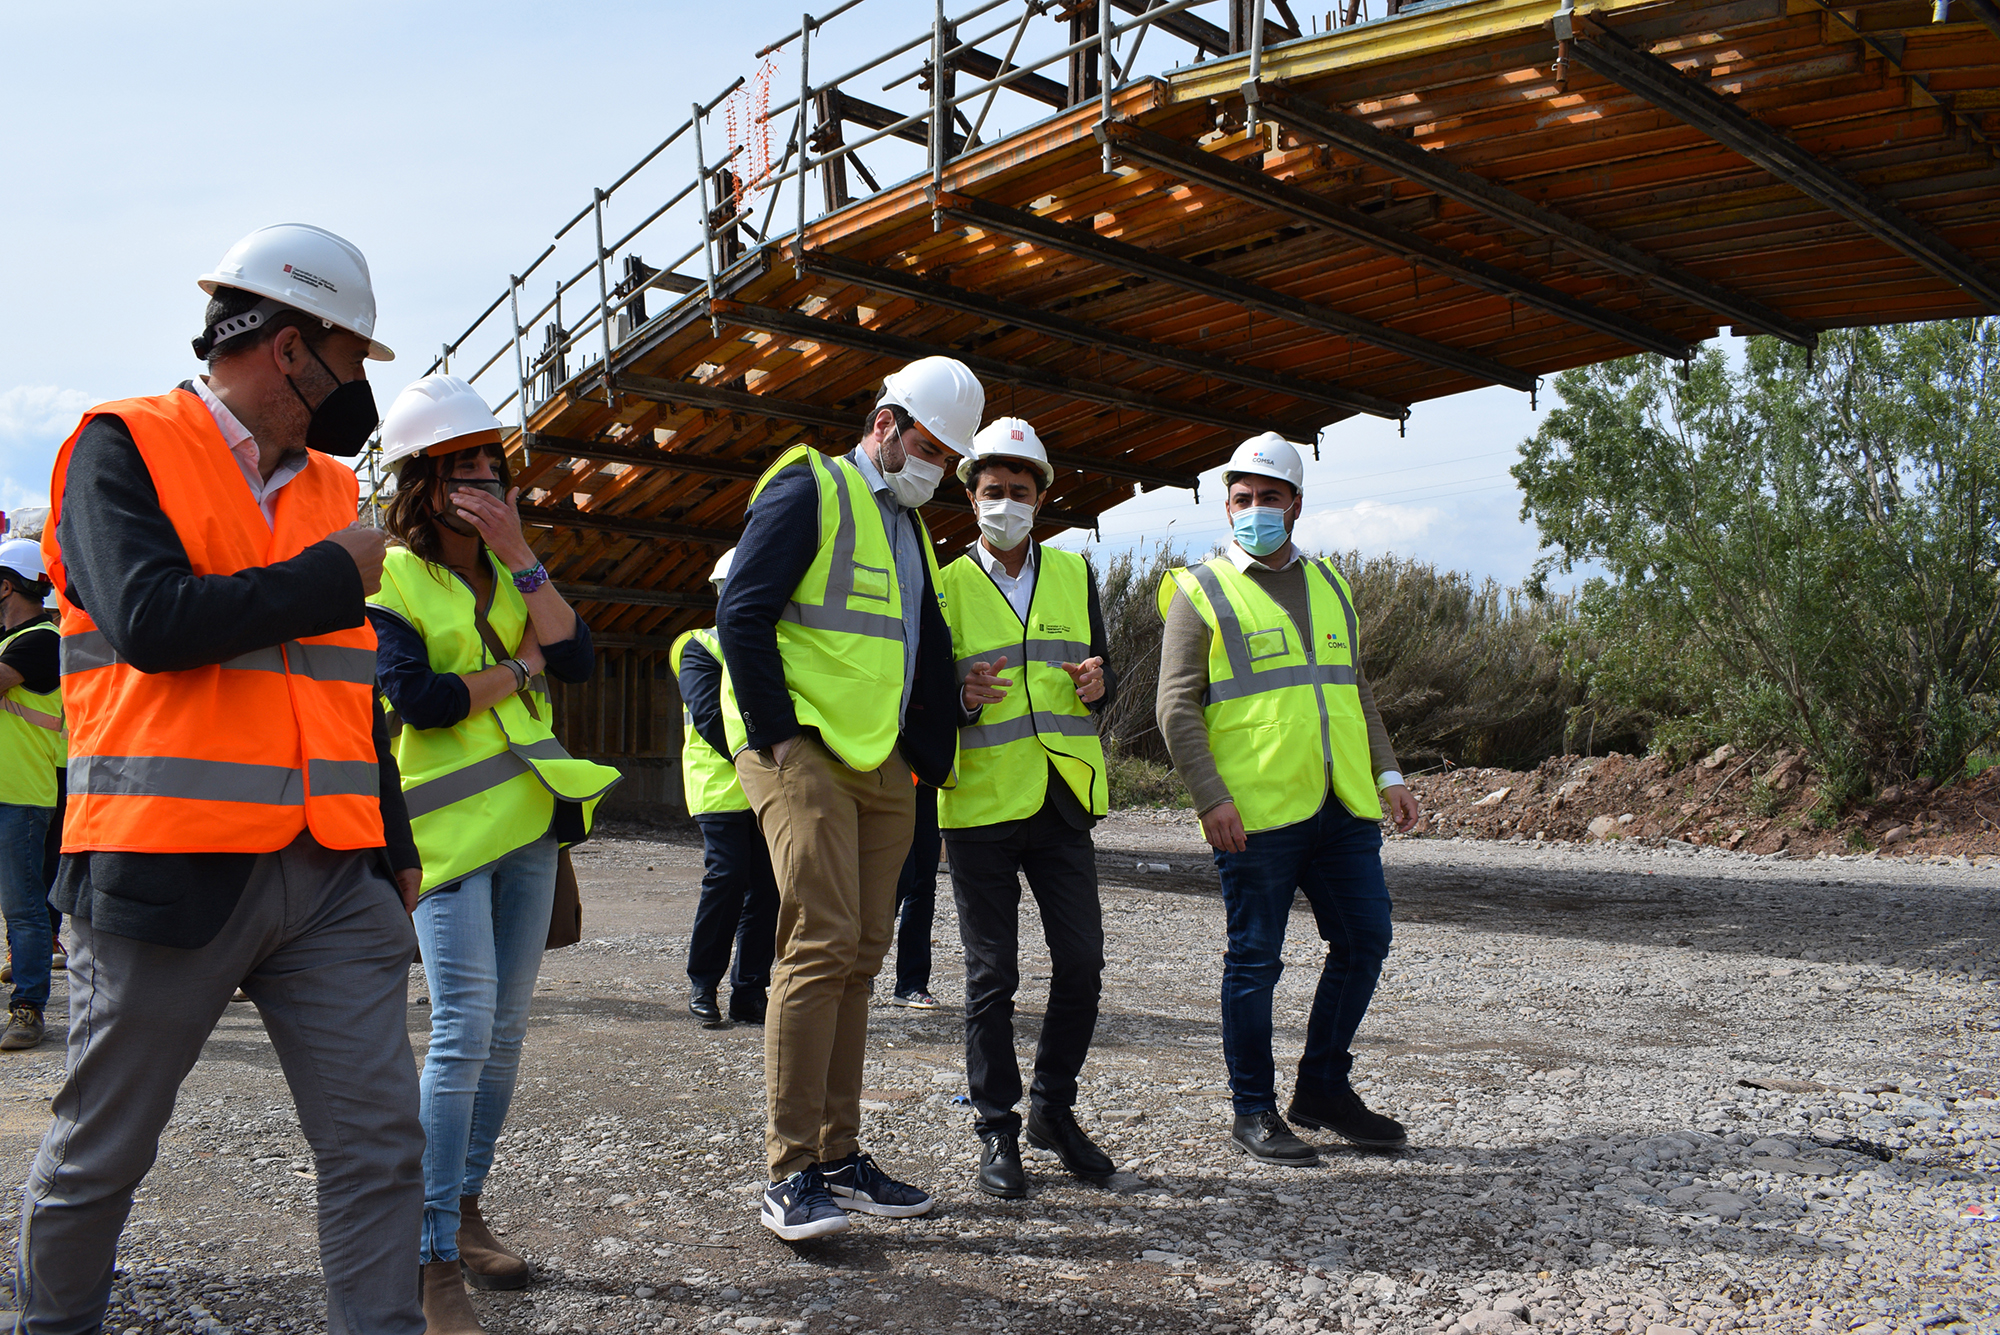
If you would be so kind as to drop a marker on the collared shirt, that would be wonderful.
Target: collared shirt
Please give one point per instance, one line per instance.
(1242, 560)
(904, 543)
(237, 437)
(1018, 590)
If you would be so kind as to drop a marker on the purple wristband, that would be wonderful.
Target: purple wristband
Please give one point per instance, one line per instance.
(527, 581)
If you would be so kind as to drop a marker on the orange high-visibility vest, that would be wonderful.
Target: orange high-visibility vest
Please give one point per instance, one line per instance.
(243, 756)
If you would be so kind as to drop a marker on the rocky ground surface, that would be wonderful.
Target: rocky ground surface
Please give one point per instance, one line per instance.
(1647, 1090)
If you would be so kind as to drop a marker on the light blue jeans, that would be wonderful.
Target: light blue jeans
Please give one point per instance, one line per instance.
(482, 941)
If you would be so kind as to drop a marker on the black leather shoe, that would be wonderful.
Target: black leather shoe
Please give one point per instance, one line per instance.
(746, 1005)
(1264, 1135)
(702, 1006)
(1056, 1129)
(1000, 1171)
(1348, 1117)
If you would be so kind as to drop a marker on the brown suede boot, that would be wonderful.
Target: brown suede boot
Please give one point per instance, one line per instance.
(489, 1264)
(447, 1309)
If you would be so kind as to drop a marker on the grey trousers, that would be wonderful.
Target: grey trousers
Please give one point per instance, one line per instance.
(322, 945)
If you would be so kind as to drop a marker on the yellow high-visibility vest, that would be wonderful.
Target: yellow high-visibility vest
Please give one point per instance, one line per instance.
(1283, 705)
(488, 784)
(1004, 759)
(31, 735)
(841, 635)
(708, 780)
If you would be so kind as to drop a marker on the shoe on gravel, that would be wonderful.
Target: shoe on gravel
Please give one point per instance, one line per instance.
(747, 1005)
(1000, 1172)
(488, 1263)
(1056, 1129)
(1344, 1114)
(24, 1028)
(702, 1006)
(858, 1185)
(800, 1207)
(1264, 1135)
(916, 1000)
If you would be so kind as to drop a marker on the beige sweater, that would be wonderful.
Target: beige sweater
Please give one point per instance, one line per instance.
(1184, 678)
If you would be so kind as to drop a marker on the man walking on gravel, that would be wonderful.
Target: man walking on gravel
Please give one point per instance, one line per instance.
(1273, 729)
(1029, 635)
(844, 685)
(234, 811)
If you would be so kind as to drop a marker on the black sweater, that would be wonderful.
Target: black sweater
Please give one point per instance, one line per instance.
(127, 568)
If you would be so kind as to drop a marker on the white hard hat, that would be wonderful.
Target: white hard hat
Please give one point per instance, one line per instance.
(942, 395)
(309, 269)
(722, 564)
(436, 409)
(1008, 438)
(23, 556)
(1269, 455)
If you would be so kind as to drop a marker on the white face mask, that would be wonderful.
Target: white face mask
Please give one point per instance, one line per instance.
(1006, 524)
(914, 483)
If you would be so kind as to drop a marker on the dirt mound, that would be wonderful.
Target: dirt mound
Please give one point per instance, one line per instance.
(1755, 803)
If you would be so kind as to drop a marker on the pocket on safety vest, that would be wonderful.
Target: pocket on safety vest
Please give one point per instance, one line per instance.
(872, 582)
(1263, 644)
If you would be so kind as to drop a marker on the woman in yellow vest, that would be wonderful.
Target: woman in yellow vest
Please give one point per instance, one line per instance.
(467, 620)
(1271, 726)
(1029, 639)
(30, 741)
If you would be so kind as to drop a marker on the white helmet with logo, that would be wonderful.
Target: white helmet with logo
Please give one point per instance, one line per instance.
(721, 571)
(23, 557)
(436, 410)
(942, 395)
(307, 268)
(1008, 438)
(1269, 455)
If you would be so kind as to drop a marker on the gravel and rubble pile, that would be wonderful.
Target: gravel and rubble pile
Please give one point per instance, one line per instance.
(1647, 1091)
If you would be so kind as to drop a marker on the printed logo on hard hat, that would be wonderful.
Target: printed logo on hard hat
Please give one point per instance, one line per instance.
(310, 280)
(1018, 434)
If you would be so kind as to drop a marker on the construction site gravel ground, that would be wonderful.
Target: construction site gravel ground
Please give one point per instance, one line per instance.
(1648, 1090)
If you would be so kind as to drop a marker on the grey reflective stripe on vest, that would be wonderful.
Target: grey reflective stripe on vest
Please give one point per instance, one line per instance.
(185, 776)
(1226, 625)
(52, 722)
(1278, 679)
(90, 649)
(1242, 680)
(1027, 725)
(1353, 627)
(343, 778)
(1056, 651)
(435, 795)
(546, 749)
(833, 613)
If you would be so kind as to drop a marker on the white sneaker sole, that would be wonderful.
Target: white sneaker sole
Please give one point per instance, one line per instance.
(817, 1228)
(864, 1205)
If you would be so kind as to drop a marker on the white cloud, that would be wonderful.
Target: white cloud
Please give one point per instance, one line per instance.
(34, 422)
(1368, 527)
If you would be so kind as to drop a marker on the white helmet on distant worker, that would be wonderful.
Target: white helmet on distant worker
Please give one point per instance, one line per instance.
(1008, 438)
(721, 571)
(23, 557)
(307, 268)
(942, 395)
(1269, 455)
(437, 410)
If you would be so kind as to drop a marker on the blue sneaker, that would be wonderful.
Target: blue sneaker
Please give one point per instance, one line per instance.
(799, 1207)
(857, 1184)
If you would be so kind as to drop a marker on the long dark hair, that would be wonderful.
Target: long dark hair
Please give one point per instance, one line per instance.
(411, 518)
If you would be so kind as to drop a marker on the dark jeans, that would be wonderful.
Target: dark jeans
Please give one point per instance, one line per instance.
(1061, 866)
(1336, 860)
(916, 899)
(24, 896)
(739, 900)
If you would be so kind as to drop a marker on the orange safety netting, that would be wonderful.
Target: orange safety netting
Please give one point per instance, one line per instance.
(744, 115)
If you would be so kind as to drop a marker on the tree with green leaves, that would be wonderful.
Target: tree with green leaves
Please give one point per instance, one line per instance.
(1796, 550)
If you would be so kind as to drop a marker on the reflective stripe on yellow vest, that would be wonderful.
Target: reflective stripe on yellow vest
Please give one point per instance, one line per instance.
(841, 635)
(1004, 759)
(31, 735)
(1283, 711)
(708, 780)
(487, 785)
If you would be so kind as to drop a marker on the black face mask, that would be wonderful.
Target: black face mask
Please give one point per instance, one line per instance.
(344, 419)
(493, 487)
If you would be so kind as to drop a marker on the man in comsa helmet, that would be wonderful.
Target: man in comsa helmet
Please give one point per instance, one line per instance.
(234, 813)
(1272, 727)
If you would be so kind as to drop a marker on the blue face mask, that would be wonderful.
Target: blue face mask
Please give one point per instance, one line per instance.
(1259, 530)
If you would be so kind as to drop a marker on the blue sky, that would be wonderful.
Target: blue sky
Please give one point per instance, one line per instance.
(449, 142)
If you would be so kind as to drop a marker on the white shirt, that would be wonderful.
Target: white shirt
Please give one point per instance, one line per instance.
(237, 437)
(1018, 590)
(909, 569)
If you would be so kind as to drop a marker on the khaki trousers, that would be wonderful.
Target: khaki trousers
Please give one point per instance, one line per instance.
(838, 838)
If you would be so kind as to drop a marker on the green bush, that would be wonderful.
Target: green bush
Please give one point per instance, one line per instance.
(1138, 782)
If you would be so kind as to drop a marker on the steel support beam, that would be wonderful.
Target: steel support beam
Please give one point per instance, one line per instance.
(1128, 258)
(612, 452)
(1198, 33)
(1638, 71)
(985, 67)
(1986, 11)
(555, 516)
(902, 283)
(662, 390)
(1240, 181)
(1357, 138)
(791, 324)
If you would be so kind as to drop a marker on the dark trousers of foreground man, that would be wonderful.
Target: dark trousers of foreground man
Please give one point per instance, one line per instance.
(321, 943)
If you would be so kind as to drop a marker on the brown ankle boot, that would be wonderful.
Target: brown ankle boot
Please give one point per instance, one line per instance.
(447, 1309)
(489, 1264)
